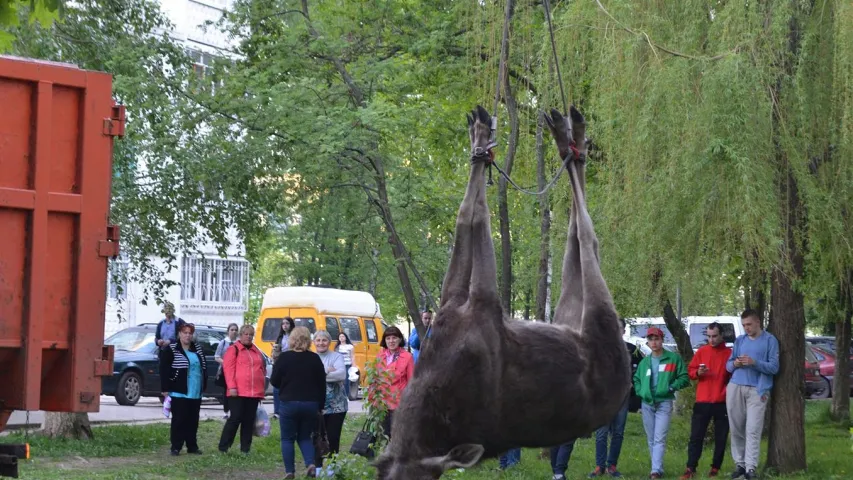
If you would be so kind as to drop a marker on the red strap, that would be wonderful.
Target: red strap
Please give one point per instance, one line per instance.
(576, 154)
(491, 156)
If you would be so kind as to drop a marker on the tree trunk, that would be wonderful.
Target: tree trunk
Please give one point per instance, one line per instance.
(503, 205)
(786, 452)
(67, 425)
(754, 286)
(544, 279)
(841, 381)
(676, 328)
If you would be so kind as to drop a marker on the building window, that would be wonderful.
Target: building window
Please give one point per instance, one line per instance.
(201, 62)
(215, 280)
(117, 280)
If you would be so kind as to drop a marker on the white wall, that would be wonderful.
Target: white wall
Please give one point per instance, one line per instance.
(187, 17)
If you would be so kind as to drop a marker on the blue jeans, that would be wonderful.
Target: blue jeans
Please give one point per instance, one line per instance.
(616, 430)
(276, 410)
(510, 458)
(346, 381)
(298, 421)
(560, 457)
(656, 419)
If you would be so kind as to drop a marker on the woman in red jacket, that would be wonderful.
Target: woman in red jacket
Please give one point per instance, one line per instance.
(394, 358)
(245, 370)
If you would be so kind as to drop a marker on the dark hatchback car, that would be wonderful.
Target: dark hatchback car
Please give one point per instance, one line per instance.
(136, 366)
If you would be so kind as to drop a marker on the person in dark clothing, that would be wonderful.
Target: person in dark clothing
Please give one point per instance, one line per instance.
(182, 377)
(167, 330)
(560, 456)
(708, 367)
(605, 462)
(300, 377)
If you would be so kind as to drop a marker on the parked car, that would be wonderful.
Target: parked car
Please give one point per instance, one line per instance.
(826, 343)
(826, 362)
(635, 332)
(136, 366)
(697, 326)
(816, 385)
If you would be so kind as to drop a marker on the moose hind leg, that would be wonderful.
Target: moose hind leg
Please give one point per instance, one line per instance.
(597, 298)
(570, 305)
(457, 281)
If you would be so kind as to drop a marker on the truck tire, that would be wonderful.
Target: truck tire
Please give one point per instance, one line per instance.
(129, 389)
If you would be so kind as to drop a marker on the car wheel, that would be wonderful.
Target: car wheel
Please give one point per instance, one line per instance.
(824, 391)
(129, 389)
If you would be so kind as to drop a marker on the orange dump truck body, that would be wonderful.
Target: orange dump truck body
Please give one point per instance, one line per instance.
(56, 140)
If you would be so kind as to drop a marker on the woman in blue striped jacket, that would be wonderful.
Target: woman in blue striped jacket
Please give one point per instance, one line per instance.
(182, 377)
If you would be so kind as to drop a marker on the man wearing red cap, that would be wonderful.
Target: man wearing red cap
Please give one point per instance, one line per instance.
(656, 380)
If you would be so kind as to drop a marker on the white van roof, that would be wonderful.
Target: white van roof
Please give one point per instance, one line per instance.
(325, 300)
(711, 319)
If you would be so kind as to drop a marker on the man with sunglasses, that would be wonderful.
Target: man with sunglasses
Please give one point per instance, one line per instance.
(708, 367)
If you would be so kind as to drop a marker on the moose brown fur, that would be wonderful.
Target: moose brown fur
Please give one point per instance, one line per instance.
(484, 383)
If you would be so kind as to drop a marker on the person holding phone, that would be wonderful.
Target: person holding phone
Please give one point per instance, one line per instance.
(708, 367)
(753, 364)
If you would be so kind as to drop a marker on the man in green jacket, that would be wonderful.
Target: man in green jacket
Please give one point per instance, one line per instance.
(657, 378)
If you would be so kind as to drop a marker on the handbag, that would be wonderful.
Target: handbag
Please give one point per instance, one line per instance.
(363, 443)
(321, 440)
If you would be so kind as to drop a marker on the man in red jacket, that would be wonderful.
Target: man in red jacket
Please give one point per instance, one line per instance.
(709, 368)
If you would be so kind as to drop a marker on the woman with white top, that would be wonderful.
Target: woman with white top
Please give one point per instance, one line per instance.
(226, 342)
(345, 348)
(335, 408)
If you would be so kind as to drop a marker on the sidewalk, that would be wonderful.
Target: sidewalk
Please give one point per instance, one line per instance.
(148, 410)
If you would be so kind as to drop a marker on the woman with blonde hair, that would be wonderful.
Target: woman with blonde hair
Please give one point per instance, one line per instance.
(300, 377)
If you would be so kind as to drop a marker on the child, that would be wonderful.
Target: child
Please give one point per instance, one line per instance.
(657, 378)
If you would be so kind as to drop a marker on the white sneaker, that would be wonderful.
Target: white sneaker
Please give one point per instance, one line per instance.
(558, 477)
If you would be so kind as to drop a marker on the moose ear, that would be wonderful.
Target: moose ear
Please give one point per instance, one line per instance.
(461, 456)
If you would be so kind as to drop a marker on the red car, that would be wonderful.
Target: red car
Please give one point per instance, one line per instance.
(826, 363)
(816, 385)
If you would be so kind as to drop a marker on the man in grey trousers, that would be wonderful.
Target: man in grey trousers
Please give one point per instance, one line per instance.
(754, 362)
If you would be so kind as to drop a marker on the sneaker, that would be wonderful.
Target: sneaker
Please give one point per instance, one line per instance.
(311, 472)
(289, 476)
(688, 474)
(175, 453)
(750, 475)
(739, 472)
(599, 471)
(611, 470)
(557, 476)
(714, 472)
(655, 475)
(195, 452)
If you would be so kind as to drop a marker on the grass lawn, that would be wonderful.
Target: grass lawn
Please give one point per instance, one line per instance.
(142, 452)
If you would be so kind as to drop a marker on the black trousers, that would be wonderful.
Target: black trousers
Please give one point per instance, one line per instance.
(334, 425)
(386, 424)
(185, 423)
(702, 415)
(243, 411)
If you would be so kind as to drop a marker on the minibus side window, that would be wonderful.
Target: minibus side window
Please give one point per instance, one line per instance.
(271, 328)
(332, 328)
(370, 327)
(350, 326)
(305, 322)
